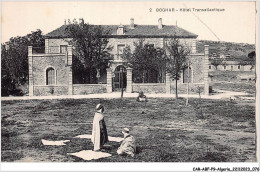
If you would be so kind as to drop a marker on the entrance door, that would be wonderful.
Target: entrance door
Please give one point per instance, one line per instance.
(119, 80)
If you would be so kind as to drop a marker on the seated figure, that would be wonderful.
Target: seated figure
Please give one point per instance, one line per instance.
(128, 146)
(141, 97)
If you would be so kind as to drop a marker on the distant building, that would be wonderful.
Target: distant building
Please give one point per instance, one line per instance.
(232, 64)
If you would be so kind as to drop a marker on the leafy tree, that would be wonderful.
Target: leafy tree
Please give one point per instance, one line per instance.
(177, 54)
(14, 60)
(90, 50)
(146, 61)
(216, 62)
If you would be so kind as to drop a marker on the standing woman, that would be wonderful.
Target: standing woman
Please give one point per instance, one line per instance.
(99, 130)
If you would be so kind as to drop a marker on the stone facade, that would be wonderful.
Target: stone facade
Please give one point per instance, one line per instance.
(231, 66)
(61, 63)
(193, 88)
(82, 89)
(40, 64)
(149, 87)
(47, 90)
(58, 56)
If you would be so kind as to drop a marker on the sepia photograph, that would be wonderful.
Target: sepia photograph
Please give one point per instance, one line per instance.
(129, 82)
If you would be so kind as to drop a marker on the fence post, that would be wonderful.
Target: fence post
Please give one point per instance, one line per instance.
(109, 80)
(129, 80)
(206, 70)
(46, 46)
(194, 46)
(30, 61)
(69, 56)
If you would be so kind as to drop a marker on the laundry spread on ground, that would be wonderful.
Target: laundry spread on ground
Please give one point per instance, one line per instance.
(112, 139)
(84, 154)
(89, 154)
(54, 143)
(115, 139)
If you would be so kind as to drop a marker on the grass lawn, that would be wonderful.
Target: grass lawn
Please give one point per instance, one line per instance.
(229, 80)
(247, 87)
(168, 131)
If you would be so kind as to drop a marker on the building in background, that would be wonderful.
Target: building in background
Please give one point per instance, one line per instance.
(50, 72)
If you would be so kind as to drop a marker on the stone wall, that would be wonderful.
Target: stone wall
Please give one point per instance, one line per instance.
(196, 68)
(149, 87)
(248, 68)
(40, 63)
(50, 90)
(52, 46)
(182, 88)
(82, 89)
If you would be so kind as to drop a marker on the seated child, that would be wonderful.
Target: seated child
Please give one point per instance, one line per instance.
(128, 146)
(141, 97)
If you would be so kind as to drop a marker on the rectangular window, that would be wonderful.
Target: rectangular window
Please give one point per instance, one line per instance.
(238, 67)
(120, 50)
(63, 49)
(149, 46)
(209, 67)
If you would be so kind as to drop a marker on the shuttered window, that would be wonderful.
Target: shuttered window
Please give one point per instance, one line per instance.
(50, 76)
(120, 50)
(63, 49)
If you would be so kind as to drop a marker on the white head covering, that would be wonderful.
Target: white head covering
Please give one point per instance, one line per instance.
(100, 107)
(125, 130)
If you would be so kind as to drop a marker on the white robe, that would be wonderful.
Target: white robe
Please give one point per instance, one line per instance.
(96, 133)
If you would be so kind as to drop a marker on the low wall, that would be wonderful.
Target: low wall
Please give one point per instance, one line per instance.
(48, 90)
(149, 87)
(82, 89)
(182, 88)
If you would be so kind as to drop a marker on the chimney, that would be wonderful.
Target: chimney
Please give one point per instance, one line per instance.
(160, 23)
(132, 23)
(81, 22)
(65, 22)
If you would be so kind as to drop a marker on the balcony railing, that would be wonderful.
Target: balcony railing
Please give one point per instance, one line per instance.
(118, 57)
(38, 50)
(49, 50)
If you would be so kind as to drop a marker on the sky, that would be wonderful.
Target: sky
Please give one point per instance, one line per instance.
(236, 23)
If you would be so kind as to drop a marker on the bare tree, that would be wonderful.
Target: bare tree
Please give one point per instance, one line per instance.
(177, 54)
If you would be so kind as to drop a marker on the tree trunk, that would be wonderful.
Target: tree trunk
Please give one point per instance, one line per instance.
(87, 75)
(143, 76)
(176, 89)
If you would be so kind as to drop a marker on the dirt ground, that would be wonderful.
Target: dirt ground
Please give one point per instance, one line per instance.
(166, 130)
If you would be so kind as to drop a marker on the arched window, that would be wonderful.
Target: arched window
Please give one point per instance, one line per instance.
(50, 76)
